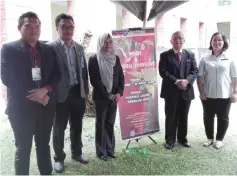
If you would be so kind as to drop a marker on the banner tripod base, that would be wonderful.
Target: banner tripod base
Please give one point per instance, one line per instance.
(138, 140)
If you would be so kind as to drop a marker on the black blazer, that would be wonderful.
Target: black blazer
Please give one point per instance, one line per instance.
(99, 90)
(16, 74)
(171, 71)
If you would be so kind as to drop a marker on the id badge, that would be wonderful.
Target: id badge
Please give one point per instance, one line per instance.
(36, 74)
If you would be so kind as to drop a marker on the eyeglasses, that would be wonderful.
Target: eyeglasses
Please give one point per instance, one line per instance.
(70, 28)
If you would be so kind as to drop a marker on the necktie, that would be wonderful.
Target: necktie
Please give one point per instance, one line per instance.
(178, 57)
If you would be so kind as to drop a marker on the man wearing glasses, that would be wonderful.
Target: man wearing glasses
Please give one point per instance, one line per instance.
(71, 92)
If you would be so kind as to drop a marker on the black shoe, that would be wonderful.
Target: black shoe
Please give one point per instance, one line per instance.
(112, 155)
(185, 144)
(169, 146)
(59, 167)
(104, 158)
(82, 159)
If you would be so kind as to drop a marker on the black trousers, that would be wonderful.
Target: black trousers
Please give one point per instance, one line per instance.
(176, 122)
(104, 131)
(71, 110)
(36, 122)
(221, 108)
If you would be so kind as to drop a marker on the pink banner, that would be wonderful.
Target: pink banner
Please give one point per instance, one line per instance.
(138, 108)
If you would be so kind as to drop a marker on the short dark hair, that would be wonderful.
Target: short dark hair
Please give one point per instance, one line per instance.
(27, 15)
(226, 44)
(62, 16)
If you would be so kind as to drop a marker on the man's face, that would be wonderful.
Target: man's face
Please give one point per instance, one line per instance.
(177, 40)
(30, 29)
(65, 29)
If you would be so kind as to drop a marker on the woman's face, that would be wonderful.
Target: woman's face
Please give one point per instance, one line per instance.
(108, 44)
(217, 42)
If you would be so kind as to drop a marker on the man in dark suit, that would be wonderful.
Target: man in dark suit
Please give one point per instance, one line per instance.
(179, 70)
(29, 71)
(71, 92)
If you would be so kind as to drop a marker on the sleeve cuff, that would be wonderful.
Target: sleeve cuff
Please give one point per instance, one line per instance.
(177, 82)
(111, 96)
(120, 92)
(49, 88)
(200, 74)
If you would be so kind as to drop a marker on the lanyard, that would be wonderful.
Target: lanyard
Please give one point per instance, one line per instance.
(34, 56)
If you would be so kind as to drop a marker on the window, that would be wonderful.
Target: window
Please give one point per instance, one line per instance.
(224, 2)
(202, 35)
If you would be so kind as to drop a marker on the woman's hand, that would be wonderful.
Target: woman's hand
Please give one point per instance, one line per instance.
(203, 96)
(117, 97)
(233, 98)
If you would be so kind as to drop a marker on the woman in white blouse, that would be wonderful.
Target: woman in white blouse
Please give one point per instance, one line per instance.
(217, 84)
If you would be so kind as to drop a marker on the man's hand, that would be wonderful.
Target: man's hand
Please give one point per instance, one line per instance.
(233, 98)
(111, 97)
(37, 94)
(45, 100)
(86, 98)
(117, 97)
(182, 84)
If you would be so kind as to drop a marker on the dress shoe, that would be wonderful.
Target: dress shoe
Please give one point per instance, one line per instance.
(185, 144)
(104, 158)
(82, 159)
(169, 146)
(59, 167)
(112, 155)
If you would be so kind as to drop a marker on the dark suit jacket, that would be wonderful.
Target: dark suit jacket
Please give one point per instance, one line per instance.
(99, 90)
(16, 74)
(62, 88)
(171, 71)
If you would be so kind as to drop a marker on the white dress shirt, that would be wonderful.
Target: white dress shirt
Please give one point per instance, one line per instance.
(217, 73)
(175, 51)
(71, 59)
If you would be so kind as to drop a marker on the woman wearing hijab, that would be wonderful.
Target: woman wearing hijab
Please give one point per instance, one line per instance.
(217, 84)
(107, 79)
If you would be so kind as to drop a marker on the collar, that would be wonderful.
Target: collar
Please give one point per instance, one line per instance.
(223, 53)
(63, 42)
(175, 51)
(27, 45)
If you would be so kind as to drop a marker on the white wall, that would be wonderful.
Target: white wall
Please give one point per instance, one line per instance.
(226, 14)
(194, 11)
(15, 8)
(88, 16)
(56, 9)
